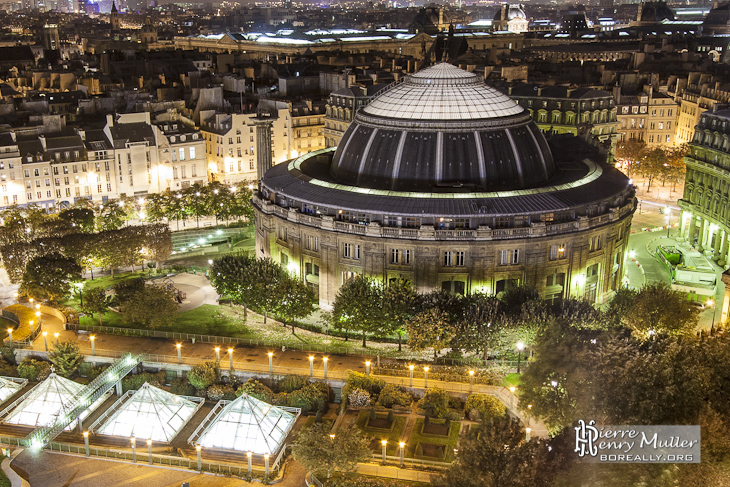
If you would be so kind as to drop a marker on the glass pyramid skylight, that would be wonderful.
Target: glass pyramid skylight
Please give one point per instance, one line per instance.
(43, 404)
(248, 424)
(149, 413)
(8, 388)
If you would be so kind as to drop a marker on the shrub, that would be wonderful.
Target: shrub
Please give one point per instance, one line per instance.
(134, 382)
(292, 383)
(182, 387)
(455, 403)
(65, 358)
(257, 390)
(359, 398)
(391, 416)
(419, 450)
(392, 394)
(8, 354)
(454, 416)
(435, 402)
(486, 405)
(313, 396)
(7, 369)
(34, 370)
(372, 413)
(95, 372)
(201, 376)
(318, 417)
(474, 415)
(216, 392)
(447, 423)
(368, 383)
(426, 420)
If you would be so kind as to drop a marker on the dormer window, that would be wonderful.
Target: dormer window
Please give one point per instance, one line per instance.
(173, 138)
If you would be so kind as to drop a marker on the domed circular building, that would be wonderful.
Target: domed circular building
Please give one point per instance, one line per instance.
(510, 17)
(446, 182)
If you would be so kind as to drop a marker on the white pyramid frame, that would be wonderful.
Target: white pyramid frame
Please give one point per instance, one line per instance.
(9, 386)
(246, 424)
(42, 405)
(148, 413)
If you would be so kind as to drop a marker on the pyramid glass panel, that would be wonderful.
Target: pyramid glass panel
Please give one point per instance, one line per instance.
(8, 388)
(150, 413)
(248, 424)
(47, 401)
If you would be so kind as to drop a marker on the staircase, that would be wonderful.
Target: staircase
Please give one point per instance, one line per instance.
(40, 437)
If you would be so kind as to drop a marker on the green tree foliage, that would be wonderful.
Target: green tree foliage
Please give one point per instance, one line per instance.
(486, 405)
(399, 302)
(34, 370)
(257, 390)
(631, 151)
(357, 307)
(480, 325)
(50, 276)
(81, 218)
(230, 275)
(152, 306)
(96, 302)
(66, 358)
(322, 455)
(114, 213)
(435, 402)
(202, 376)
(297, 299)
(134, 382)
(392, 395)
(659, 309)
(496, 455)
(430, 329)
(357, 380)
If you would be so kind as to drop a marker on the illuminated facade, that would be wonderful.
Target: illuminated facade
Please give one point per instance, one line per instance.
(450, 184)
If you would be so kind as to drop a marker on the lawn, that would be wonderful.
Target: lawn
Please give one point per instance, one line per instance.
(448, 441)
(4, 481)
(513, 380)
(393, 436)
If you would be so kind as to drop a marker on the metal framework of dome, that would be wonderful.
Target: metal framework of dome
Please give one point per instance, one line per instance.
(247, 424)
(42, 405)
(148, 413)
(442, 128)
(8, 387)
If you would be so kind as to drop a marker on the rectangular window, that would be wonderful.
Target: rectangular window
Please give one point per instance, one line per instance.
(406, 256)
(459, 258)
(182, 172)
(282, 233)
(174, 172)
(312, 243)
(182, 153)
(48, 181)
(448, 258)
(191, 151)
(594, 244)
(356, 251)
(193, 171)
(394, 256)
(557, 251)
(347, 251)
(509, 257)
(36, 172)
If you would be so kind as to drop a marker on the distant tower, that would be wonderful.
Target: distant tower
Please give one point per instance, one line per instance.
(114, 18)
(51, 40)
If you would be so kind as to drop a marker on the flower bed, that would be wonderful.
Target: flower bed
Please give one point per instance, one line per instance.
(492, 375)
(23, 316)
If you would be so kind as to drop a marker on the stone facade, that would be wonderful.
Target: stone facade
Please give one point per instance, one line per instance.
(581, 258)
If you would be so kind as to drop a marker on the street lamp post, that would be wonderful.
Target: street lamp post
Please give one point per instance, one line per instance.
(92, 339)
(271, 362)
(200, 460)
(248, 454)
(512, 396)
(31, 323)
(385, 447)
(471, 381)
(218, 354)
(10, 336)
(230, 358)
(402, 453)
(134, 449)
(149, 451)
(266, 465)
(56, 335)
(86, 442)
(179, 353)
(311, 366)
(367, 367)
(410, 368)
(425, 377)
(520, 348)
(45, 340)
(527, 434)
(324, 361)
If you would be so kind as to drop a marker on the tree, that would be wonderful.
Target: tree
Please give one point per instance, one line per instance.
(65, 358)
(229, 275)
(96, 301)
(479, 328)
(399, 301)
(113, 214)
(264, 283)
(297, 299)
(81, 218)
(321, 454)
(357, 306)
(430, 328)
(50, 277)
(654, 164)
(435, 402)
(630, 151)
(152, 306)
(201, 376)
(496, 455)
(659, 309)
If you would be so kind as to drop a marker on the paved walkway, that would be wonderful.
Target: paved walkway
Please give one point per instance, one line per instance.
(197, 288)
